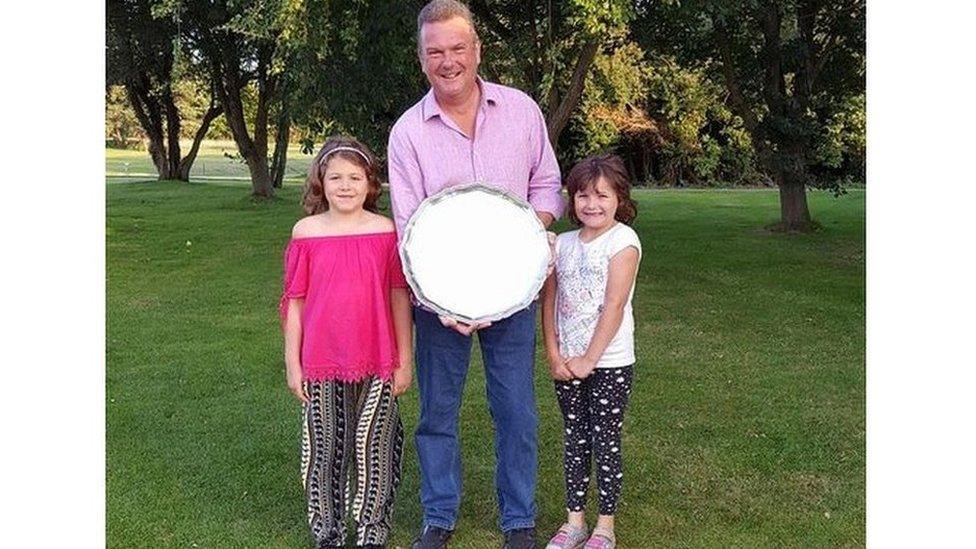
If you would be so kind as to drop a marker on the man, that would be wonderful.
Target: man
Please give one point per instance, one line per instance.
(463, 130)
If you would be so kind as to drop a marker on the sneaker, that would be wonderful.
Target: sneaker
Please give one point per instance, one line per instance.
(432, 537)
(601, 539)
(520, 538)
(568, 537)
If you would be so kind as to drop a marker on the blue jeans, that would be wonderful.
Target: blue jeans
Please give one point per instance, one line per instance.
(508, 350)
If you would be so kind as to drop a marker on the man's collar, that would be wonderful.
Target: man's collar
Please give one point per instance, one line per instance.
(430, 108)
(489, 92)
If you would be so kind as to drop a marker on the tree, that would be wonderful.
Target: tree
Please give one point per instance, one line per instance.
(140, 56)
(358, 77)
(239, 45)
(612, 112)
(547, 48)
(667, 122)
(363, 74)
(122, 129)
(787, 67)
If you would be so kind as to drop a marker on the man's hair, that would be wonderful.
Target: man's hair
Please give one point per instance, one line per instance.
(442, 10)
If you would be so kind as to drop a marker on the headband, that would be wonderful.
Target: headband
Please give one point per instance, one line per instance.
(349, 149)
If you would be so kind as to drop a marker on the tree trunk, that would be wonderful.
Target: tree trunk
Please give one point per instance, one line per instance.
(160, 119)
(254, 149)
(558, 118)
(261, 183)
(794, 213)
(187, 162)
(647, 163)
(148, 113)
(172, 135)
(791, 180)
(255, 157)
(280, 155)
(157, 151)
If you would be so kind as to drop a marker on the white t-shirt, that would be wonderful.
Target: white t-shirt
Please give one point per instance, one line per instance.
(581, 276)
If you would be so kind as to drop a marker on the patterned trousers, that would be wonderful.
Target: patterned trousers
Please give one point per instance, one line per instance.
(593, 414)
(352, 445)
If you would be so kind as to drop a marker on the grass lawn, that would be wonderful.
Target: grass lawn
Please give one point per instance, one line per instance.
(746, 426)
(215, 160)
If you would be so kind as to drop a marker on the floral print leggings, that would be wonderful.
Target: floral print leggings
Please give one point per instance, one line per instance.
(593, 414)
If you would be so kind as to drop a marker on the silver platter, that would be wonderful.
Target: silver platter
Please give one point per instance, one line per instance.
(475, 253)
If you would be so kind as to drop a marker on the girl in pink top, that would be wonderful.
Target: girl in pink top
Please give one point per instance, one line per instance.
(348, 345)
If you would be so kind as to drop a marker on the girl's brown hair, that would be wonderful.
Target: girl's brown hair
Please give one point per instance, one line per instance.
(313, 198)
(588, 171)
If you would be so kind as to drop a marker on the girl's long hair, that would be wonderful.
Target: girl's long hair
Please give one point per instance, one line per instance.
(313, 197)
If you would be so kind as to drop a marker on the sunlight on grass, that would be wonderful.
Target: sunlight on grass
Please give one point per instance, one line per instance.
(746, 424)
(216, 159)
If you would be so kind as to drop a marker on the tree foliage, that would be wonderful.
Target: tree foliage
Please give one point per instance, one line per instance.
(548, 48)
(358, 77)
(696, 92)
(140, 56)
(365, 72)
(242, 44)
(788, 67)
(668, 122)
(122, 129)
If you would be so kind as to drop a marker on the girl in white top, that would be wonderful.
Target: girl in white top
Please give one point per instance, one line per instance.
(588, 324)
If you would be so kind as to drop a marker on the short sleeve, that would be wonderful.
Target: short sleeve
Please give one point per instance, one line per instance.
(296, 274)
(622, 239)
(397, 279)
(560, 246)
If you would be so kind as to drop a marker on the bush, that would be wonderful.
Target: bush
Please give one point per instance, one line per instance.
(122, 129)
(669, 123)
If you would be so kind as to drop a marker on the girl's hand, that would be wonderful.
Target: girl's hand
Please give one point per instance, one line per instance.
(294, 377)
(581, 366)
(402, 377)
(558, 369)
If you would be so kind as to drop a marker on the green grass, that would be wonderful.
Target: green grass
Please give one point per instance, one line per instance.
(215, 160)
(746, 426)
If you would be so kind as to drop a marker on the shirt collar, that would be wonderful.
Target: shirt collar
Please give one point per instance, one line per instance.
(489, 96)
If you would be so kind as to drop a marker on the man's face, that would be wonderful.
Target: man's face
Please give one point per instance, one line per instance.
(450, 55)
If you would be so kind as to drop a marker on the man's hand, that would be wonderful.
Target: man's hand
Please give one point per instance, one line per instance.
(545, 218)
(581, 366)
(558, 369)
(460, 327)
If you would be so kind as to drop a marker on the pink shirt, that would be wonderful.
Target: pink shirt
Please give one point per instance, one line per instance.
(428, 152)
(347, 323)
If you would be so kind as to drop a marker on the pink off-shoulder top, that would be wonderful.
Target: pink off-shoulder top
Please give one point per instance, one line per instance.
(347, 324)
